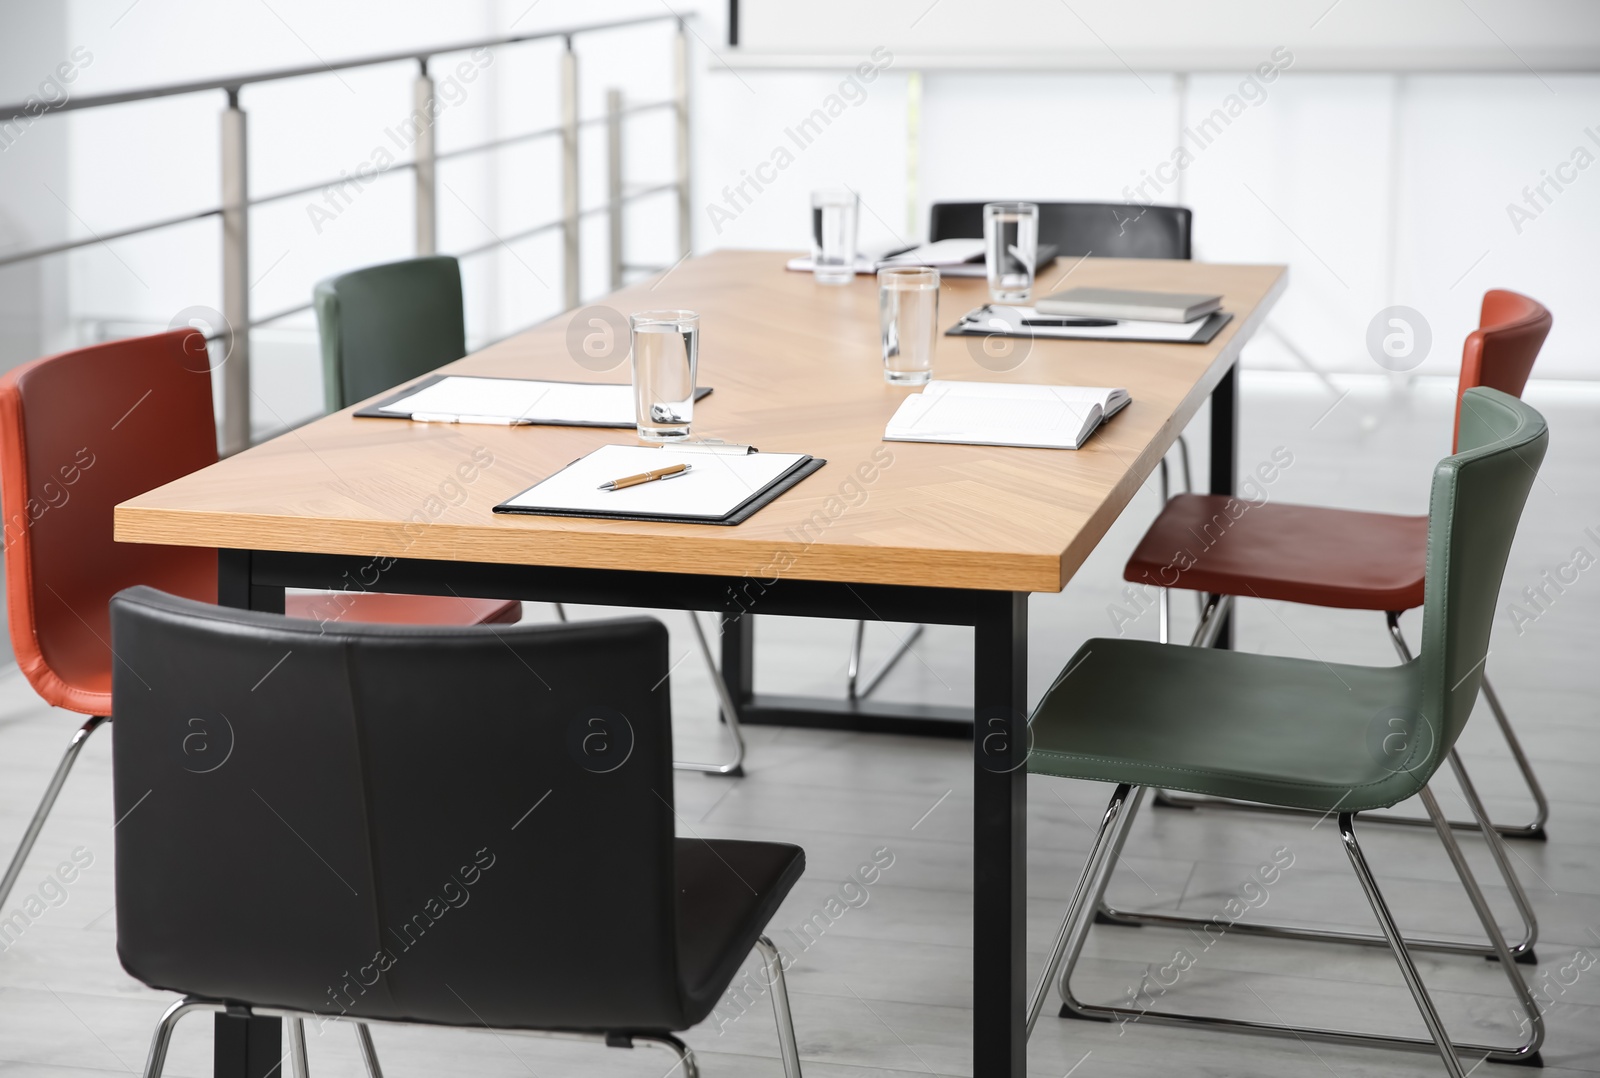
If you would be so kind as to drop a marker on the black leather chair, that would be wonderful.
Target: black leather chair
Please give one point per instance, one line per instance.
(464, 826)
(1102, 229)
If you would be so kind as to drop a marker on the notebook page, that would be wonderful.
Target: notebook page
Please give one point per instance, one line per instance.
(715, 485)
(520, 398)
(1054, 417)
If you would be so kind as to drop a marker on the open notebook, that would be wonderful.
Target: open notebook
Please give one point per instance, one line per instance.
(995, 413)
(461, 398)
(720, 487)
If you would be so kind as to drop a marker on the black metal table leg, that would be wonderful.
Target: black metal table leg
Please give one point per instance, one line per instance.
(245, 1046)
(999, 837)
(237, 588)
(738, 659)
(1225, 459)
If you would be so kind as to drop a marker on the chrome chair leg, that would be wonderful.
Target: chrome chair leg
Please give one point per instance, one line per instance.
(1491, 927)
(51, 792)
(157, 1059)
(686, 1067)
(1527, 1052)
(852, 674)
(1402, 956)
(853, 671)
(299, 1065)
(1096, 873)
(734, 768)
(1541, 803)
(1522, 951)
(787, 1044)
(369, 1053)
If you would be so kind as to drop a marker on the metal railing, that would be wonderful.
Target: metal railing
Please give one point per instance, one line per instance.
(236, 203)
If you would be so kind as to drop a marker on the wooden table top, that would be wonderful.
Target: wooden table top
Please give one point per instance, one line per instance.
(795, 367)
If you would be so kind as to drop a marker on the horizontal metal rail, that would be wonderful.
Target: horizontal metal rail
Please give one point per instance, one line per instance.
(232, 83)
(551, 226)
(106, 237)
(312, 188)
(548, 226)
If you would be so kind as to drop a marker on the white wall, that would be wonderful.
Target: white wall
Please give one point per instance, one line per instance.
(1320, 173)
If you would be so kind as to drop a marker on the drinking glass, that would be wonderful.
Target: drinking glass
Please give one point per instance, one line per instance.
(908, 314)
(834, 215)
(666, 351)
(1011, 247)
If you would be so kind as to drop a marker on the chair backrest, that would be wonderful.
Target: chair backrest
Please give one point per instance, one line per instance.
(80, 432)
(383, 325)
(351, 819)
(1103, 229)
(1477, 499)
(1500, 352)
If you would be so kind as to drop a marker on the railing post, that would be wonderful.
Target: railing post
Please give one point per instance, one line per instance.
(569, 175)
(680, 71)
(427, 199)
(614, 181)
(235, 280)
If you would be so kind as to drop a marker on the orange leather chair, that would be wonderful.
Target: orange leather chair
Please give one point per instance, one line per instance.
(80, 432)
(1339, 557)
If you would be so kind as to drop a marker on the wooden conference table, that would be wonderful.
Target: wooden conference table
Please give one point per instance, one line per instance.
(941, 534)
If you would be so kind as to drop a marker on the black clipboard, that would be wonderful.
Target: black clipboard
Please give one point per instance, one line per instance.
(738, 515)
(375, 409)
(1213, 325)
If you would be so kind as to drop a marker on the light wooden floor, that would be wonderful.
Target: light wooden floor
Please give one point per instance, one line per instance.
(885, 991)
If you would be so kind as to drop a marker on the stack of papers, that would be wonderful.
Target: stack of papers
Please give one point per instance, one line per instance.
(997, 413)
(1130, 303)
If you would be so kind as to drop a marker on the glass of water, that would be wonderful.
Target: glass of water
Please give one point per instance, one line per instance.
(666, 351)
(834, 216)
(908, 314)
(1011, 247)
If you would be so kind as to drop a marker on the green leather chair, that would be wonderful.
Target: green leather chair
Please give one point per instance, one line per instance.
(383, 325)
(1305, 734)
(388, 324)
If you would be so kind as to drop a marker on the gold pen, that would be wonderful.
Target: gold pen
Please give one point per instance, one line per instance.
(644, 477)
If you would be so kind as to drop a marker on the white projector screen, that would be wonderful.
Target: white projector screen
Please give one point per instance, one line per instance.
(1542, 36)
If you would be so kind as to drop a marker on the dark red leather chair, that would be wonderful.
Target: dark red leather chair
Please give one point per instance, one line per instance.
(1340, 557)
(80, 432)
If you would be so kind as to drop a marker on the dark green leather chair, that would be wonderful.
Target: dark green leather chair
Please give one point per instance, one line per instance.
(381, 326)
(1306, 734)
(388, 324)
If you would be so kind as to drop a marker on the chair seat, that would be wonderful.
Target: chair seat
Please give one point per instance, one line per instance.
(1295, 553)
(727, 892)
(1278, 731)
(388, 608)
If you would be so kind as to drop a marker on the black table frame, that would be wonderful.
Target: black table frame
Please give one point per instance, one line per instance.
(250, 1047)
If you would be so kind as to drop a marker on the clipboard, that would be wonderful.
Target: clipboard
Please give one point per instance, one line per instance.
(569, 490)
(1208, 330)
(375, 410)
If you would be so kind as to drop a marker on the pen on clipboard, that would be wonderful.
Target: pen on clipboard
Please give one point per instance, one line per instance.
(447, 417)
(644, 477)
